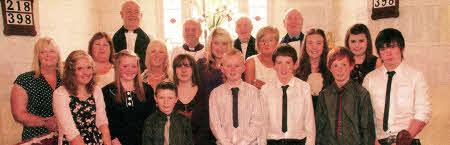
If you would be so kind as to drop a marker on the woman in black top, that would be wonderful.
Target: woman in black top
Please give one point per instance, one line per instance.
(359, 42)
(128, 101)
(193, 99)
(32, 93)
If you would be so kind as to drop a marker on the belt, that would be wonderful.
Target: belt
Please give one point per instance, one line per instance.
(287, 141)
(393, 139)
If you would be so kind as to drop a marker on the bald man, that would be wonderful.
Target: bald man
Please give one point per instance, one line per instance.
(293, 22)
(245, 41)
(192, 30)
(130, 36)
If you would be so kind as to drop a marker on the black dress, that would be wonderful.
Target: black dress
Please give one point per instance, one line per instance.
(360, 71)
(126, 119)
(199, 107)
(40, 98)
(84, 116)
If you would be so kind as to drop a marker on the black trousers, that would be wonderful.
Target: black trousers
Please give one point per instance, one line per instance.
(286, 142)
(385, 142)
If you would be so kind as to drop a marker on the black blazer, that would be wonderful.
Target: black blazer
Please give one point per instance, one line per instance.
(250, 48)
(140, 47)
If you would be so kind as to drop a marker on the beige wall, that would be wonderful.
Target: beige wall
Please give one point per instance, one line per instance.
(424, 23)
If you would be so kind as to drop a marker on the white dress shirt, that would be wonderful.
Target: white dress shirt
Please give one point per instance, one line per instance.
(409, 99)
(131, 40)
(250, 116)
(300, 111)
(244, 48)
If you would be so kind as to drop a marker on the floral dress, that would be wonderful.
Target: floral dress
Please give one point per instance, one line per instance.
(84, 113)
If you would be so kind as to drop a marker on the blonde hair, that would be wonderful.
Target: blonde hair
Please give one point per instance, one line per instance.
(69, 78)
(267, 30)
(149, 51)
(137, 80)
(44, 42)
(218, 34)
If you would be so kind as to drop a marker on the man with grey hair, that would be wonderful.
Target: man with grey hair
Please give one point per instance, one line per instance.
(130, 36)
(245, 41)
(192, 30)
(293, 22)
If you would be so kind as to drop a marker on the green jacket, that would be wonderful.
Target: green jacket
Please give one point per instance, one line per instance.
(180, 129)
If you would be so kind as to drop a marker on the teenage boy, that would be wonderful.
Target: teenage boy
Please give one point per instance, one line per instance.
(344, 114)
(166, 127)
(235, 109)
(287, 103)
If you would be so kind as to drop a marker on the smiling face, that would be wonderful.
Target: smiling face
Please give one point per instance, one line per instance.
(293, 22)
(128, 68)
(284, 66)
(233, 67)
(244, 29)
(314, 46)
(184, 71)
(166, 100)
(131, 15)
(48, 56)
(101, 50)
(157, 55)
(267, 44)
(341, 68)
(83, 71)
(219, 47)
(358, 44)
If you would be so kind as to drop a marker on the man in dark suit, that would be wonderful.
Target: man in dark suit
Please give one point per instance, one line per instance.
(293, 22)
(245, 41)
(130, 36)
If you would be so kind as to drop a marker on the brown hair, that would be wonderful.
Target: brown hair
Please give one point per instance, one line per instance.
(178, 61)
(304, 68)
(137, 81)
(360, 29)
(339, 53)
(69, 79)
(100, 35)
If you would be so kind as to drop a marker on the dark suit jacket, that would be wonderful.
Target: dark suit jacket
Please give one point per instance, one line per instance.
(287, 39)
(140, 48)
(250, 48)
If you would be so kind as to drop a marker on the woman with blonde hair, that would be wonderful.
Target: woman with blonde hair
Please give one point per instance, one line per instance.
(128, 100)
(157, 63)
(218, 44)
(101, 50)
(78, 104)
(32, 93)
(259, 68)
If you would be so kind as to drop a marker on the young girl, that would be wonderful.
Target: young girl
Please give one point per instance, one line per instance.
(78, 104)
(128, 101)
(312, 67)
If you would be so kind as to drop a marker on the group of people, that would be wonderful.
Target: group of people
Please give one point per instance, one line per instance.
(249, 91)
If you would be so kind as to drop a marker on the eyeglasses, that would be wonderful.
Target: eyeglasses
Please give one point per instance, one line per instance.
(266, 41)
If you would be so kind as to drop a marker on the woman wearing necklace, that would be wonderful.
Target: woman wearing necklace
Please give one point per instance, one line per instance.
(218, 44)
(193, 98)
(312, 67)
(157, 63)
(359, 42)
(128, 101)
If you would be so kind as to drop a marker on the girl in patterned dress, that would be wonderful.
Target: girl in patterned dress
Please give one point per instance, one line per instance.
(78, 104)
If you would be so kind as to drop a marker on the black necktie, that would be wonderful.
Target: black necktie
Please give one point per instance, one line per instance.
(234, 92)
(388, 99)
(284, 125)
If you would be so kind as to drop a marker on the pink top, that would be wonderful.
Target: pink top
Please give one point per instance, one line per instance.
(64, 117)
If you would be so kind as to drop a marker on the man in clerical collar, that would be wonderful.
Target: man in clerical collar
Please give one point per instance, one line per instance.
(192, 30)
(293, 22)
(245, 41)
(130, 36)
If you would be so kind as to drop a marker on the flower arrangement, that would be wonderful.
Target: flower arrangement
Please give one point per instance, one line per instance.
(217, 17)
